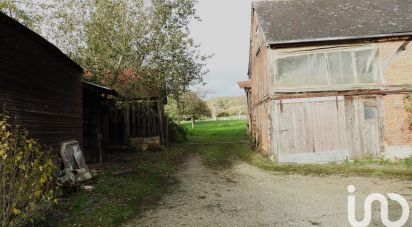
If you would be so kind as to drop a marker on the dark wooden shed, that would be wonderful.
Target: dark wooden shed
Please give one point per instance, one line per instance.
(100, 130)
(40, 87)
(111, 121)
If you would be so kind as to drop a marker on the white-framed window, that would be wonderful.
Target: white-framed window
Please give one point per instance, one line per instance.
(328, 67)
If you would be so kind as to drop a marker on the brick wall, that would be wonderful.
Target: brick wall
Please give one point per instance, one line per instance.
(397, 132)
(397, 72)
(260, 88)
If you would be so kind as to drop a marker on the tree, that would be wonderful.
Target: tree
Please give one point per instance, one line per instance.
(189, 106)
(26, 12)
(222, 105)
(134, 46)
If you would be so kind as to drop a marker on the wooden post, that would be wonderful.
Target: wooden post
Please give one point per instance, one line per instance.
(159, 110)
(126, 124)
(134, 128)
(99, 146)
(98, 131)
(167, 132)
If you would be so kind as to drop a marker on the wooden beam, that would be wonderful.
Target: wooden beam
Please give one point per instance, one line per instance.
(298, 95)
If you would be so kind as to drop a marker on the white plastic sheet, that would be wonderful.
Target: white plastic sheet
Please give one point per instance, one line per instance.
(328, 66)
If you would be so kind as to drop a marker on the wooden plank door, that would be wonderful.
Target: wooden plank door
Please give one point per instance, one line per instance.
(370, 128)
(311, 130)
(364, 125)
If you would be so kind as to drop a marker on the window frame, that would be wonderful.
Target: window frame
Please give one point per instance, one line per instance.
(377, 72)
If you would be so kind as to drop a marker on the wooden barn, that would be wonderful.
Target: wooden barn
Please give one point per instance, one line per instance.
(328, 79)
(40, 87)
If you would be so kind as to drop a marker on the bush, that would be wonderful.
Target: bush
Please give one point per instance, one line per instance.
(223, 114)
(26, 177)
(177, 133)
(408, 162)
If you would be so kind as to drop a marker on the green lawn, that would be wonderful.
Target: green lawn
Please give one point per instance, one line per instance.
(217, 131)
(217, 141)
(223, 155)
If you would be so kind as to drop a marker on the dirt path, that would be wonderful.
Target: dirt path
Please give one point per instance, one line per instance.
(244, 195)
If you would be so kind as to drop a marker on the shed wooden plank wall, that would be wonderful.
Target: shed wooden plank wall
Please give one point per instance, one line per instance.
(39, 88)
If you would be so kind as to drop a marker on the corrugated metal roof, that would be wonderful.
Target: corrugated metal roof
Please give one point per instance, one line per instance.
(100, 89)
(299, 21)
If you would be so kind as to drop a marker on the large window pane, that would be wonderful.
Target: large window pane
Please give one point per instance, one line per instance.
(335, 68)
(328, 68)
(317, 70)
(366, 66)
(348, 69)
(292, 70)
(341, 67)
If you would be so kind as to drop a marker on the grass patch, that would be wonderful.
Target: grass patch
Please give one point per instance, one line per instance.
(376, 168)
(217, 156)
(217, 141)
(122, 189)
(234, 132)
(217, 131)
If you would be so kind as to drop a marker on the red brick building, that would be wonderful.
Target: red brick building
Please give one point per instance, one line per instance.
(328, 79)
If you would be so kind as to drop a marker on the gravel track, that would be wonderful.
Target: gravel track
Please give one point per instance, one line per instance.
(244, 195)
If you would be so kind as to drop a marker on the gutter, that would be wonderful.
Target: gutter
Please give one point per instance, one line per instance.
(337, 39)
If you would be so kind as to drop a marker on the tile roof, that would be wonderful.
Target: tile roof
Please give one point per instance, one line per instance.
(297, 21)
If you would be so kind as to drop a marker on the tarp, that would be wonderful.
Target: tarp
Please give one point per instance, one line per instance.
(328, 66)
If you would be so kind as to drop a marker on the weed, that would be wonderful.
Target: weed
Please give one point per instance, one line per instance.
(121, 190)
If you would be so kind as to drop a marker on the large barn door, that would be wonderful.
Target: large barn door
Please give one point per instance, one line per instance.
(311, 130)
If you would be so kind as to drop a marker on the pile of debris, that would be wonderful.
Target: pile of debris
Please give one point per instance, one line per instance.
(75, 169)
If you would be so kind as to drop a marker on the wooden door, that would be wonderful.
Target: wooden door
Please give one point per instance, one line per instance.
(311, 130)
(371, 126)
(364, 123)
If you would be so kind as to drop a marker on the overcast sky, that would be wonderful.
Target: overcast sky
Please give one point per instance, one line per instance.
(224, 31)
